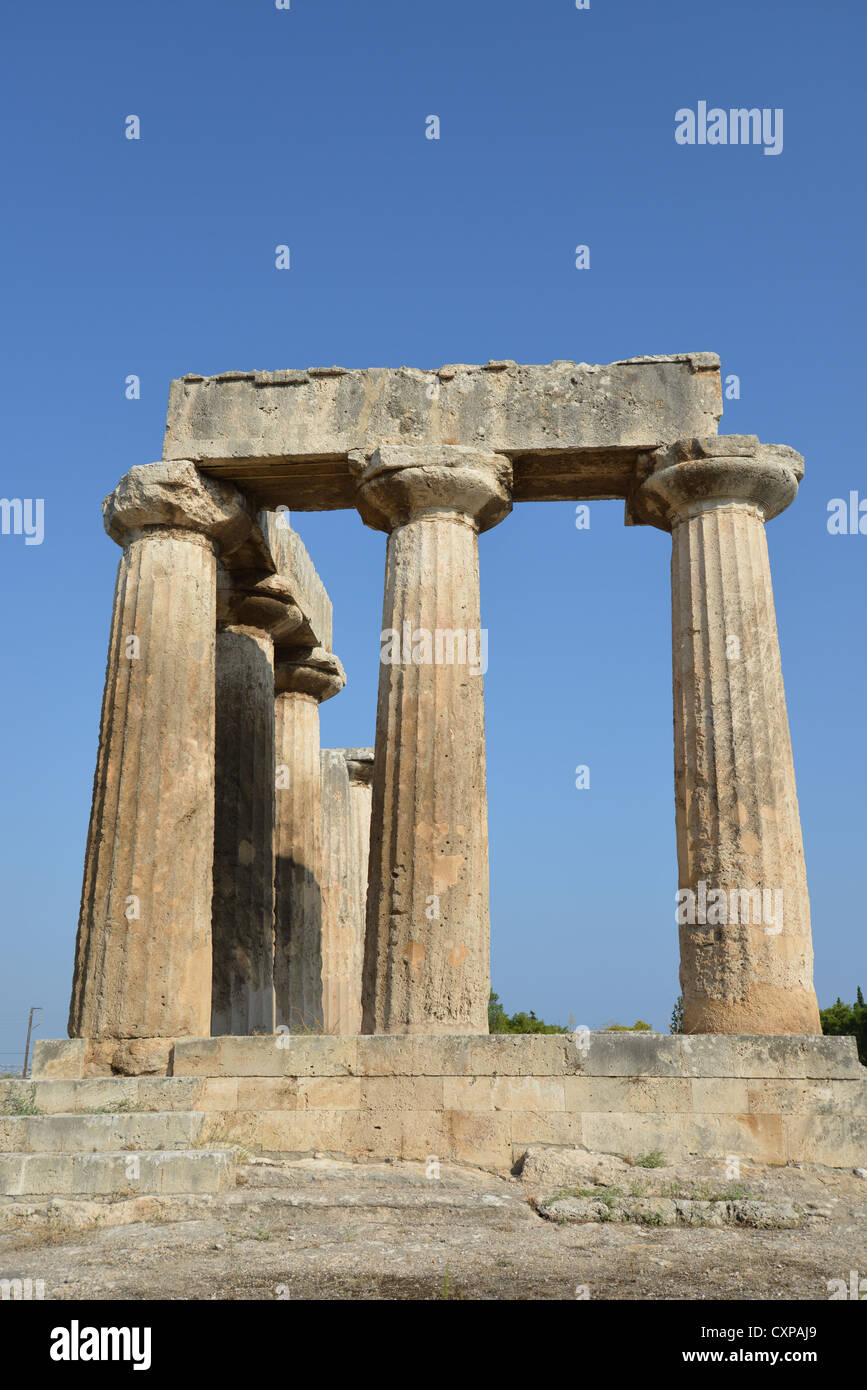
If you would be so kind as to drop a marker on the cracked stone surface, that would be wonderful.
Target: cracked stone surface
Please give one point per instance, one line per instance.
(573, 429)
(324, 1229)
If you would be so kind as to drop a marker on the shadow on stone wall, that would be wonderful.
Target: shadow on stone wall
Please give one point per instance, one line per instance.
(298, 947)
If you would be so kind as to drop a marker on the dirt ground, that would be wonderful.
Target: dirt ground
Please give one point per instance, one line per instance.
(323, 1229)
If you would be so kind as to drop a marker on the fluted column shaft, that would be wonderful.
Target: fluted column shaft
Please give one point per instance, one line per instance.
(302, 682)
(427, 949)
(359, 765)
(346, 794)
(744, 913)
(143, 955)
(242, 919)
(243, 905)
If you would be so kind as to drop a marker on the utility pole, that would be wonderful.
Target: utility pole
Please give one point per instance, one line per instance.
(37, 1008)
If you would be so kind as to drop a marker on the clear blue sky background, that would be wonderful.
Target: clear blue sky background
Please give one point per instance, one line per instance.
(307, 126)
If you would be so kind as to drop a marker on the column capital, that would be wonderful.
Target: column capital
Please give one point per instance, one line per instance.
(247, 598)
(398, 483)
(176, 496)
(308, 671)
(691, 475)
(359, 765)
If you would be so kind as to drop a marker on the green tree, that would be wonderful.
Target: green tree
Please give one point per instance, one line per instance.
(842, 1019)
(676, 1024)
(501, 1022)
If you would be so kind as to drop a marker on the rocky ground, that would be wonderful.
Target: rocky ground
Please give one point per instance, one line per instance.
(572, 1225)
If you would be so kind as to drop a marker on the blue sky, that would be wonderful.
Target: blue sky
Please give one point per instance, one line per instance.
(307, 127)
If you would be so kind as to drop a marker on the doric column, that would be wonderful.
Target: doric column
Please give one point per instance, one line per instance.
(303, 679)
(427, 947)
(143, 955)
(746, 951)
(359, 766)
(346, 780)
(252, 611)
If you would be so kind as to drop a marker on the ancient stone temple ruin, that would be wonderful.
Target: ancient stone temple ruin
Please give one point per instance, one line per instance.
(255, 915)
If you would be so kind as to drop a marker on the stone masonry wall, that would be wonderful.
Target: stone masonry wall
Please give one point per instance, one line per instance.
(484, 1100)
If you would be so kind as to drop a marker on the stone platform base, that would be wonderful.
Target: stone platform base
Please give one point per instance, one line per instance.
(484, 1100)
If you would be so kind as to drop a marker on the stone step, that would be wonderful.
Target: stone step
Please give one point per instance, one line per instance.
(591, 1054)
(82, 1133)
(316, 1189)
(376, 1191)
(113, 1095)
(36, 1212)
(128, 1174)
(583, 1053)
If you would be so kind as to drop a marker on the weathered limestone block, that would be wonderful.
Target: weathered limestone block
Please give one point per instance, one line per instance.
(573, 430)
(143, 955)
(294, 565)
(427, 942)
(59, 1057)
(164, 1171)
(345, 846)
(98, 1133)
(746, 950)
(251, 609)
(283, 1055)
(303, 679)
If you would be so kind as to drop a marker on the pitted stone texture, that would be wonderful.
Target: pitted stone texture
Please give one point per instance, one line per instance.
(486, 1100)
(817, 1062)
(738, 820)
(59, 1057)
(112, 1095)
(176, 495)
(665, 1211)
(738, 826)
(346, 800)
(243, 902)
(427, 943)
(143, 956)
(312, 673)
(573, 430)
(249, 598)
(691, 474)
(164, 1171)
(130, 1057)
(402, 483)
(84, 1133)
(302, 680)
